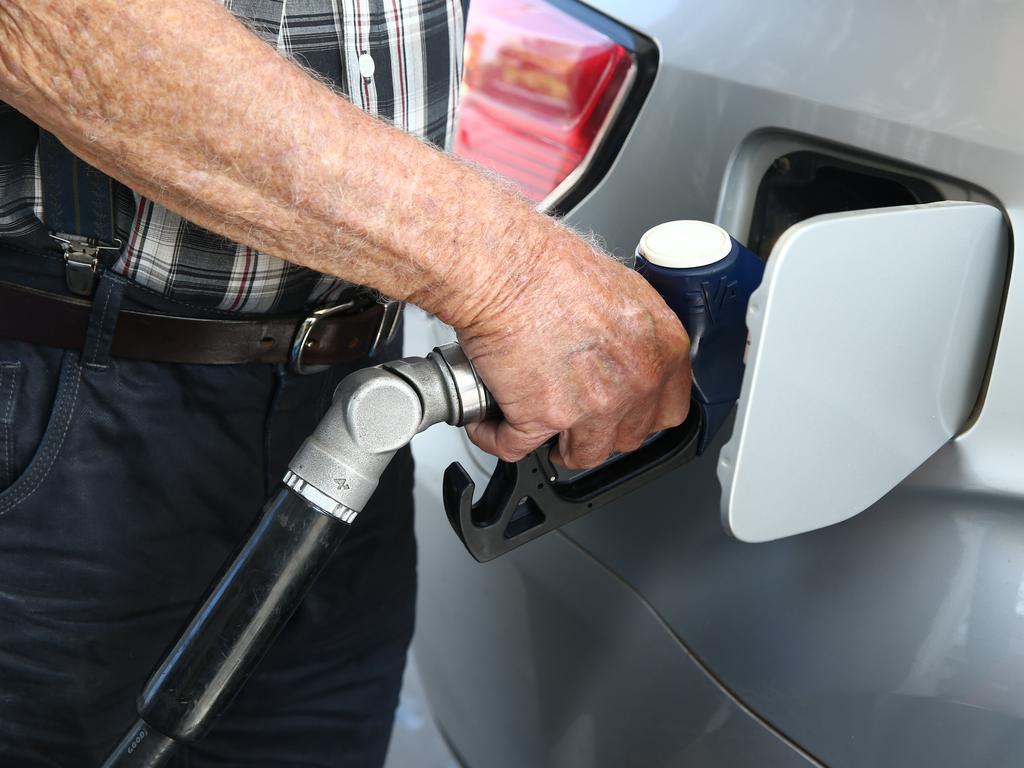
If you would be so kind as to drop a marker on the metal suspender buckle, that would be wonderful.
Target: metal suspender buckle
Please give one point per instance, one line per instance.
(81, 257)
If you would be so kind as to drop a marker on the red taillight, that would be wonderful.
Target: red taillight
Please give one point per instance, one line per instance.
(538, 90)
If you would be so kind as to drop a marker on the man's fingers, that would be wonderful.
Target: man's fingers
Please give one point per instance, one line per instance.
(672, 409)
(634, 430)
(584, 446)
(589, 445)
(613, 410)
(501, 439)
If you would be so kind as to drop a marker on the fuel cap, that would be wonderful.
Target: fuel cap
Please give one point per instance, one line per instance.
(685, 244)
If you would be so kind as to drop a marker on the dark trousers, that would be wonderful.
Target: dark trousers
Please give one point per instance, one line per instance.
(124, 485)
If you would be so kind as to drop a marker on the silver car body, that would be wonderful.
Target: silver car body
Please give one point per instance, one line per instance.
(642, 635)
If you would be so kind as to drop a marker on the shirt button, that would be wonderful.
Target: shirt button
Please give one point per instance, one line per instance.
(367, 66)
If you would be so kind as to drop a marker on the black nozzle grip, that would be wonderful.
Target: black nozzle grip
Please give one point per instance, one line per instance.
(524, 500)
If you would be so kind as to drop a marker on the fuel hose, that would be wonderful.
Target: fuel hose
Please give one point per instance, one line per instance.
(262, 585)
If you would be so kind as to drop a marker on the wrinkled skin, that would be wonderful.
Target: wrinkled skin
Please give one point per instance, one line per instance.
(588, 351)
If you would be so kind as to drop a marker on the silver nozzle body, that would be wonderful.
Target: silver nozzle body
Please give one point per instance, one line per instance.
(377, 411)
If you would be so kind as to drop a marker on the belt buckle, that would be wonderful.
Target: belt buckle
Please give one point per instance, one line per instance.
(385, 333)
(301, 342)
(388, 324)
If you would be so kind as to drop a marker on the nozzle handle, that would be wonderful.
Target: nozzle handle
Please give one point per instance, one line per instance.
(526, 499)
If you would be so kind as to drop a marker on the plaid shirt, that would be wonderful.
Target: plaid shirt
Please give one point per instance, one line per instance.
(399, 59)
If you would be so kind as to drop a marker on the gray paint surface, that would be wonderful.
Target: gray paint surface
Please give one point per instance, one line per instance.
(415, 740)
(552, 662)
(896, 638)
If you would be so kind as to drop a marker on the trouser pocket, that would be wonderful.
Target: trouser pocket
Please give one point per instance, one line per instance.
(38, 390)
(9, 375)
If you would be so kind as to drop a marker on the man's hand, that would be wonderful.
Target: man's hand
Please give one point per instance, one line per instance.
(222, 130)
(585, 349)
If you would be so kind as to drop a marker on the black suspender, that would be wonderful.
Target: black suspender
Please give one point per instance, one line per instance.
(78, 210)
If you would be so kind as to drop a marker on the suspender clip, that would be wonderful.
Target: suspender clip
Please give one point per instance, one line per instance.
(81, 257)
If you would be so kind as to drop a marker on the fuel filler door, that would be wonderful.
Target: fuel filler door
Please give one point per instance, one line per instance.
(870, 336)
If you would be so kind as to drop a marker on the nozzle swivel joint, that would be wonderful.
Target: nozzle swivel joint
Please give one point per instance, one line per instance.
(377, 411)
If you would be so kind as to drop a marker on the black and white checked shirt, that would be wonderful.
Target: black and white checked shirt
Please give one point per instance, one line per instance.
(399, 59)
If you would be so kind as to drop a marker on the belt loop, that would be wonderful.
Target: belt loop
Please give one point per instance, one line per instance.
(106, 307)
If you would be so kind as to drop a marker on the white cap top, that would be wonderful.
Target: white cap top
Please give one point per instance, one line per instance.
(685, 244)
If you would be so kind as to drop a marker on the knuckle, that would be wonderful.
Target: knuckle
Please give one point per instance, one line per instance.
(651, 386)
(684, 351)
(673, 416)
(556, 417)
(601, 401)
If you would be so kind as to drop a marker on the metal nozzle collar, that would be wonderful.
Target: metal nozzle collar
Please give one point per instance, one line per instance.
(473, 400)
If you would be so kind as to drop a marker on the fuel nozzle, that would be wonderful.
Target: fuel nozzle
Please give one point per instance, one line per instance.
(706, 277)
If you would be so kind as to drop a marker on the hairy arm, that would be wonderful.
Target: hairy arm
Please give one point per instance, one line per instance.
(221, 129)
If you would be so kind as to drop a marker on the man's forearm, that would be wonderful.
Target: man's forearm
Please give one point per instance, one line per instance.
(182, 103)
(220, 128)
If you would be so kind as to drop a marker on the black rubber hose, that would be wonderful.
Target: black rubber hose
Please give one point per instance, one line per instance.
(236, 623)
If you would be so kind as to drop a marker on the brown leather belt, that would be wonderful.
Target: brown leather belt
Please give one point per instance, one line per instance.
(309, 343)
